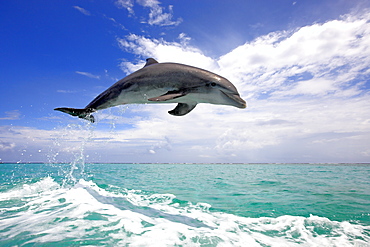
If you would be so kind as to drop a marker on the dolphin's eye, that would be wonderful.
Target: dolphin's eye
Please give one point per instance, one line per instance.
(211, 84)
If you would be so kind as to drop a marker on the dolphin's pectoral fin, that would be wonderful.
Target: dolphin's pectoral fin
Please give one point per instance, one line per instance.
(81, 113)
(182, 109)
(168, 96)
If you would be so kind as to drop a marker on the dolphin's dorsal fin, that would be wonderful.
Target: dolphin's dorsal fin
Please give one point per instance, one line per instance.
(182, 109)
(150, 61)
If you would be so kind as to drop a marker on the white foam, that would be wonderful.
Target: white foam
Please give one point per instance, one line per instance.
(26, 190)
(51, 213)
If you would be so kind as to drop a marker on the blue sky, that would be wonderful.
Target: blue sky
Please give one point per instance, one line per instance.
(302, 66)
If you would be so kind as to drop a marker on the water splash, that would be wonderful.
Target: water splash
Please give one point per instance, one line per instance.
(77, 166)
(71, 142)
(75, 137)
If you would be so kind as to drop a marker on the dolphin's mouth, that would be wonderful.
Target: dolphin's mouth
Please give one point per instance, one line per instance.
(236, 100)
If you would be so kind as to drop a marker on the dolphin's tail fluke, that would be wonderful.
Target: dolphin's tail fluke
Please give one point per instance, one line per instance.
(81, 113)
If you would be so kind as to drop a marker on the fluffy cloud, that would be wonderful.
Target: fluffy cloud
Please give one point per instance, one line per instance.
(332, 55)
(164, 51)
(127, 4)
(157, 15)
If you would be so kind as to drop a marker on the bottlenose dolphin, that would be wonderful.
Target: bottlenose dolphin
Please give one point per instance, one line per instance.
(164, 83)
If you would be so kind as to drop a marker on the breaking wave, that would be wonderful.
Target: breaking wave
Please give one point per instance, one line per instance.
(46, 212)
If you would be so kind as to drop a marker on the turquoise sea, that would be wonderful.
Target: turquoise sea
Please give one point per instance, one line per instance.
(184, 204)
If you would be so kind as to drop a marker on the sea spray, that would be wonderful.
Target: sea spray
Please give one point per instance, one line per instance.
(73, 140)
(77, 166)
(71, 143)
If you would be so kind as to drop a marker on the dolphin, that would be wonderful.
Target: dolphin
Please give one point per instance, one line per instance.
(164, 83)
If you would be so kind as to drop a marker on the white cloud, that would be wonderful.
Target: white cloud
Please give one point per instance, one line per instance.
(6, 146)
(82, 10)
(335, 51)
(127, 4)
(184, 39)
(163, 51)
(65, 91)
(11, 115)
(319, 86)
(88, 74)
(157, 14)
(116, 23)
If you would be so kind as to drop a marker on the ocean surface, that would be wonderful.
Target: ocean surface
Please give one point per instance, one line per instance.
(184, 205)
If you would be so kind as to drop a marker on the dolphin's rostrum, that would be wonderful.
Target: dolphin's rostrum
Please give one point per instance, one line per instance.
(164, 83)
